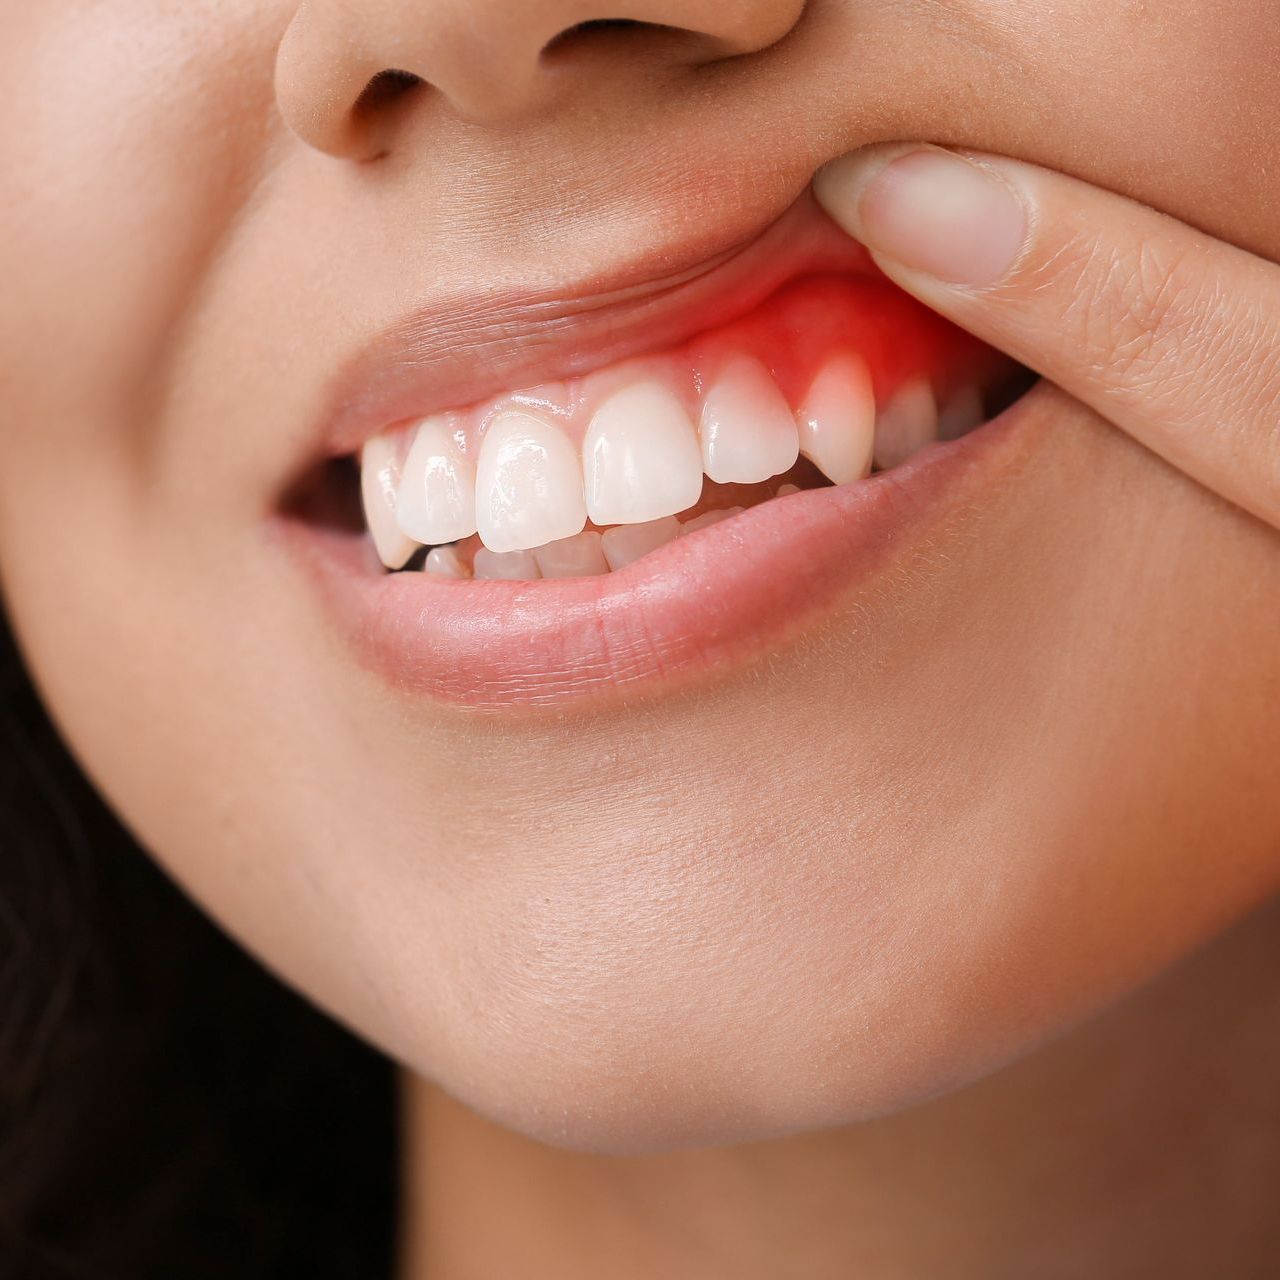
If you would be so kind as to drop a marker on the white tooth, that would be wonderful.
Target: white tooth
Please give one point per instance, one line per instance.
(641, 457)
(528, 484)
(907, 424)
(445, 562)
(514, 565)
(962, 413)
(379, 477)
(581, 556)
(837, 419)
(436, 501)
(748, 430)
(785, 489)
(629, 542)
(708, 518)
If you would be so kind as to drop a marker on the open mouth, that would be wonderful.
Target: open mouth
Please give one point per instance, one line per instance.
(653, 514)
(831, 380)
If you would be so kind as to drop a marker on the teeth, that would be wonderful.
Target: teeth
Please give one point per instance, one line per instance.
(445, 562)
(640, 457)
(513, 565)
(528, 484)
(581, 556)
(748, 430)
(629, 542)
(379, 478)
(436, 501)
(838, 420)
(961, 414)
(906, 424)
(512, 474)
(708, 518)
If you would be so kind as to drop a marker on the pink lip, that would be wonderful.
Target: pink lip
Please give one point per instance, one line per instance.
(461, 350)
(702, 604)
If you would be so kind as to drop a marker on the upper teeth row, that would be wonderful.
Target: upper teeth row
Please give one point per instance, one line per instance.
(643, 455)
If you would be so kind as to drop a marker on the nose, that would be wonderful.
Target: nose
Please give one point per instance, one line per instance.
(346, 68)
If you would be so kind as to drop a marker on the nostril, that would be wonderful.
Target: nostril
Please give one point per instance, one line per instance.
(595, 24)
(604, 24)
(384, 89)
(583, 32)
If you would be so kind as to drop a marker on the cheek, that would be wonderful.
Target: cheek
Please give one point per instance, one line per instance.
(134, 147)
(134, 144)
(1180, 113)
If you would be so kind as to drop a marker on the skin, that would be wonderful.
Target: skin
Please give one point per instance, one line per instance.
(1015, 783)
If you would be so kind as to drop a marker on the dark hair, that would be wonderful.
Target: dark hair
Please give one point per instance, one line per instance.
(167, 1109)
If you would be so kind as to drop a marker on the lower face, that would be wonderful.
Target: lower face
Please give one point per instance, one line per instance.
(632, 834)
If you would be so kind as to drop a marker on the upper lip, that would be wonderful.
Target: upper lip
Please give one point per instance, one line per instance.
(456, 351)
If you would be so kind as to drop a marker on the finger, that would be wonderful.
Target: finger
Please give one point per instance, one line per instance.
(1168, 333)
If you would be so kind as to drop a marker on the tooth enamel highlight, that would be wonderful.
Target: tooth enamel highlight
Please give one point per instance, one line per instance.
(379, 479)
(640, 457)
(445, 562)
(906, 424)
(436, 500)
(837, 420)
(962, 412)
(512, 565)
(528, 484)
(628, 542)
(748, 430)
(581, 556)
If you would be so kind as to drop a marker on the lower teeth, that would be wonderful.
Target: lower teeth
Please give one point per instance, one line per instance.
(594, 551)
(587, 554)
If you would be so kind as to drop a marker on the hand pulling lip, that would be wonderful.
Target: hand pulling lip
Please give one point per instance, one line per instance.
(455, 352)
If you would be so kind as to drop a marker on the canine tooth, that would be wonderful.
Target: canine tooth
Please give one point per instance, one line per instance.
(528, 484)
(708, 518)
(512, 565)
(581, 556)
(748, 430)
(906, 424)
(436, 501)
(640, 457)
(379, 478)
(629, 542)
(445, 562)
(962, 412)
(837, 419)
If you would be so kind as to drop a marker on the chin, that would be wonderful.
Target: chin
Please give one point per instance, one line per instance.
(647, 1017)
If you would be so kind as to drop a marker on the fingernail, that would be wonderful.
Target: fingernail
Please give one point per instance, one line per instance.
(930, 210)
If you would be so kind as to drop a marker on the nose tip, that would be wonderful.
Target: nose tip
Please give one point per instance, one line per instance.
(346, 72)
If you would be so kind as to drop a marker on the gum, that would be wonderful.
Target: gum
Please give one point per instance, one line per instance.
(793, 333)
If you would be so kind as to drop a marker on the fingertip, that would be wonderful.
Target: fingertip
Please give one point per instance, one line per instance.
(929, 210)
(840, 184)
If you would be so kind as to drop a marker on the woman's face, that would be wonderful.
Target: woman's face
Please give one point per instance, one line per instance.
(1008, 766)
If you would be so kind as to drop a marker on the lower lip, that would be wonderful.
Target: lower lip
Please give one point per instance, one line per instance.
(703, 605)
